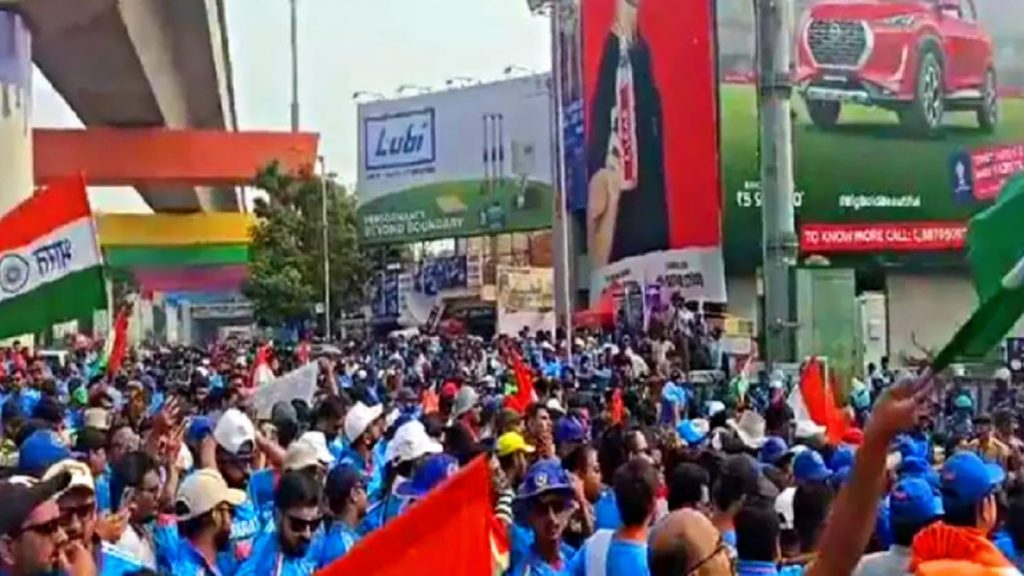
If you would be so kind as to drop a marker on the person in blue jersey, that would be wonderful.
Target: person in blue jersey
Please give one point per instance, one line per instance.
(203, 509)
(363, 430)
(329, 418)
(405, 452)
(428, 475)
(78, 518)
(309, 454)
(235, 444)
(623, 552)
(287, 550)
(913, 505)
(737, 479)
(544, 502)
(345, 493)
(91, 444)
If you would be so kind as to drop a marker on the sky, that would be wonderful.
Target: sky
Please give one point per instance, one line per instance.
(346, 46)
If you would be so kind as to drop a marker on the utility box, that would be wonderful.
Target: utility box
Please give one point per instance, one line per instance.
(828, 320)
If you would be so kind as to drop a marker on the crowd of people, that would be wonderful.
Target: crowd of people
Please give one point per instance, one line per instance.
(605, 458)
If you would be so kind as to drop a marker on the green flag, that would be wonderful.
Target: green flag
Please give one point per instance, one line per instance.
(995, 250)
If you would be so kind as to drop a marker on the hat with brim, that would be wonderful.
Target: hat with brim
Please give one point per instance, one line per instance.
(202, 491)
(435, 470)
(750, 429)
(694, 431)
(968, 479)
(23, 494)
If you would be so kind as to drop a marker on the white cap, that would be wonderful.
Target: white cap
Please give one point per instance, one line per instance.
(784, 508)
(81, 476)
(318, 441)
(98, 418)
(202, 491)
(808, 429)
(233, 431)
(411, 441)
(1003, 373)
(553, 405)
(359, 418)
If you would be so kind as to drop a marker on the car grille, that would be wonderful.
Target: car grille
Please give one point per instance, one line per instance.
(837, 42)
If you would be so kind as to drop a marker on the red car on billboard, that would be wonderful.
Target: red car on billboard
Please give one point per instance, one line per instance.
(918, 58)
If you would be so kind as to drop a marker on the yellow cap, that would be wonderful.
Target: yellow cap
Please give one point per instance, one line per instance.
(512, 442)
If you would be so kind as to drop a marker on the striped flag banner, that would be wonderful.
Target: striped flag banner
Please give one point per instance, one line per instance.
(51, 267)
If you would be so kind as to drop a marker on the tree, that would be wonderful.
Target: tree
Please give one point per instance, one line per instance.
(286, 276)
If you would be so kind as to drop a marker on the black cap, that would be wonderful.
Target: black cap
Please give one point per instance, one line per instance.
(49, 409)
(23, 494)
(341, 481)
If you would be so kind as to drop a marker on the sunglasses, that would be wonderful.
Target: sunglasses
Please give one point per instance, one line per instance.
(302, 525)
(43, 529)
(83, 513)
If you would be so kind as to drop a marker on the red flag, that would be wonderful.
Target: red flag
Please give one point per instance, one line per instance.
(449, 532)
(120, 346)
(814, 400)
(525, 394)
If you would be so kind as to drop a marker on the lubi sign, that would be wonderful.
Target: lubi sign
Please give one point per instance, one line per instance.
(464, 162)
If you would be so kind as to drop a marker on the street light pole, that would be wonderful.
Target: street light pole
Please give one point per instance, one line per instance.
(295, 64)
(326, 247)
(774, 28)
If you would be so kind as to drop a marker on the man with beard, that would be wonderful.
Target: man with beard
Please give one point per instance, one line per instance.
(135, 488)
(32, 542)
(203, 508)
(627, 213)
(78, 518)
(287, 551)
(235, 440)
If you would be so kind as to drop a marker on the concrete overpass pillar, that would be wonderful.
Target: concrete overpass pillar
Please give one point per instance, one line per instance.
(16, 176)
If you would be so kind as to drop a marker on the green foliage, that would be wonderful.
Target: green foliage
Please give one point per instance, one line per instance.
(286, 275)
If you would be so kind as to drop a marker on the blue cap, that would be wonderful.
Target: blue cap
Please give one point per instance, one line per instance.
(967, 479)
(809, 466)
(199, 428)
(569, 430)
(840, 476)
(773, 450)
(915, 467)
(910, 448)
(433, 471)
(842, 457)
(543, 477)
(690, 432)
(42, 449)
(913, 500)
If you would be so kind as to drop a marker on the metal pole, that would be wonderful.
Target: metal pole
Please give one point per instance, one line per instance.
(295, 64)
(563, 265)
(327, 251)
(774, 31)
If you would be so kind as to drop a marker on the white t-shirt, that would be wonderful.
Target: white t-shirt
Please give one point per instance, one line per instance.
(892, 562)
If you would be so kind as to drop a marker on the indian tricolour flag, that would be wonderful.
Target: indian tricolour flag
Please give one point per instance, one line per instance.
(51, 267)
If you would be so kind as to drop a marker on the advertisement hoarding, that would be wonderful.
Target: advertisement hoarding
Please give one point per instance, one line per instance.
(653, 201)
(908, 117)
(526, 299)
(463, 162)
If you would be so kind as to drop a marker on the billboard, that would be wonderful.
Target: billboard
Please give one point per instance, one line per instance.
(463, 162)
(526, 299)
(908, 117)
(653, 199)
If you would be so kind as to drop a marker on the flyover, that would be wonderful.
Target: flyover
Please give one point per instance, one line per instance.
(142, 64)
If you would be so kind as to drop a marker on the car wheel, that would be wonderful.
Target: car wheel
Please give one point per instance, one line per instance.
(988, 112)
(824, 113)
(924, 115)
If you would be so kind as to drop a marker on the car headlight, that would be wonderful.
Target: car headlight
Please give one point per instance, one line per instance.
(901, 21)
